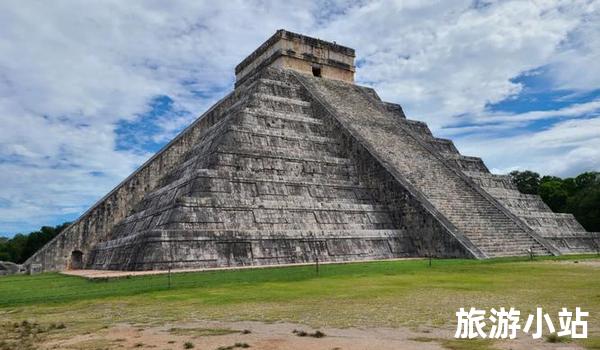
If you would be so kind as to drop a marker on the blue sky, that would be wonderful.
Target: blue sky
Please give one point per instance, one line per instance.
(89, 91)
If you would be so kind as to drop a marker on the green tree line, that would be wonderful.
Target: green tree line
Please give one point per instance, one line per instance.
(22, 246)
(578, 195)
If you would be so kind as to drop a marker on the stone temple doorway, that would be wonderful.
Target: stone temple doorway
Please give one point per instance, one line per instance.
(76, 260)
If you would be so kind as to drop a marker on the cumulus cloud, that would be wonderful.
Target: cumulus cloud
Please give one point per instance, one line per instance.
(566, 148)
(445, 59)
(72, 74)
(489, 122)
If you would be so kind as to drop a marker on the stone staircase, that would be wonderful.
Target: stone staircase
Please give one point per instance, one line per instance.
(402, 145)
(561, 229)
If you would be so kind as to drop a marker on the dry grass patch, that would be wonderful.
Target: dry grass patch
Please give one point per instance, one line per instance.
(202, 332)
(592, 343)
(468, 344)
(25, 335)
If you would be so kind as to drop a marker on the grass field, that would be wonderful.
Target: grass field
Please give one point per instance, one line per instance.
(376, 294)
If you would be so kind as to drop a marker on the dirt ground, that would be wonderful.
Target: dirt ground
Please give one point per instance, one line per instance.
(101, 274)
(214, 335)
(591, 263)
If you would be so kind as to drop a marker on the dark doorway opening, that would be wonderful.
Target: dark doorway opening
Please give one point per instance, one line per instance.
(316, 71)
(77, 260)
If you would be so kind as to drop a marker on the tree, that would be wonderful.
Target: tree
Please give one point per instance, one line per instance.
(579, 196)
(554, 194)
(587, 179)
(585, 205)
(38, 239)
(526, 181)
(15, 247)
(21, 246)
(4, 255)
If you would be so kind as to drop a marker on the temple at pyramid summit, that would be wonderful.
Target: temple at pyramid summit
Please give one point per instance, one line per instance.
(297, 164)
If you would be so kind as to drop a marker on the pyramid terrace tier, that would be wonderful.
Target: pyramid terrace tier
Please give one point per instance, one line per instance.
(188, 248)
(223, 211)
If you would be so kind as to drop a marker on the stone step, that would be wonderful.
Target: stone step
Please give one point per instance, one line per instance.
(211, 182)
(226, 156)
(248, 176)
(253, 234)
(395, 109)
(443, 145)
(521, 206)
(489, 181)
(552, 219)
(418, 127)
(275, 226)
(267, 190)
(311, 150)
(266, 197)
(510, 194)
(282, 99)
(238, 211)
(236, 139)
(284, 134)
(511, 250)
(466, 163)
(208, 139)
(204, 249)
(279, 104)
(277, 148)
(266, 161)
(283, 202)
(273, 122)
(198, 218)
(503, 237)
(284, 116)
(553, 231)
(520, 252)
(278, 88)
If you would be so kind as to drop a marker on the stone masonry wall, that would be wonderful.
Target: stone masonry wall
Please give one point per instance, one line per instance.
(95, 224)
(269, 184)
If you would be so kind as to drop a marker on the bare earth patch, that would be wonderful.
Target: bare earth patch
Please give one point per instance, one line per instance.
(583, 262)
(266, 336)
(104, 274)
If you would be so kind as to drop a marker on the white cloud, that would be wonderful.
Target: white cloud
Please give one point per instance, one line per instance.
(575, 66)
(567, 148)
(445, 62)
(71, 71)
(491, 122)
(442, 59)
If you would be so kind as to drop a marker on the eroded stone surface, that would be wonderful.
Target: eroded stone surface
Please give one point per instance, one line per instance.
(9, 268)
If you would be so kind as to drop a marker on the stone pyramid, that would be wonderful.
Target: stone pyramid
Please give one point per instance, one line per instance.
(299, 164)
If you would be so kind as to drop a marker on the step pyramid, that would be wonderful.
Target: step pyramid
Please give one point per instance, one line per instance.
(299, 164)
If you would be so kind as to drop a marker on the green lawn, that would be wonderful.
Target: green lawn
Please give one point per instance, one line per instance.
(391, 293)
